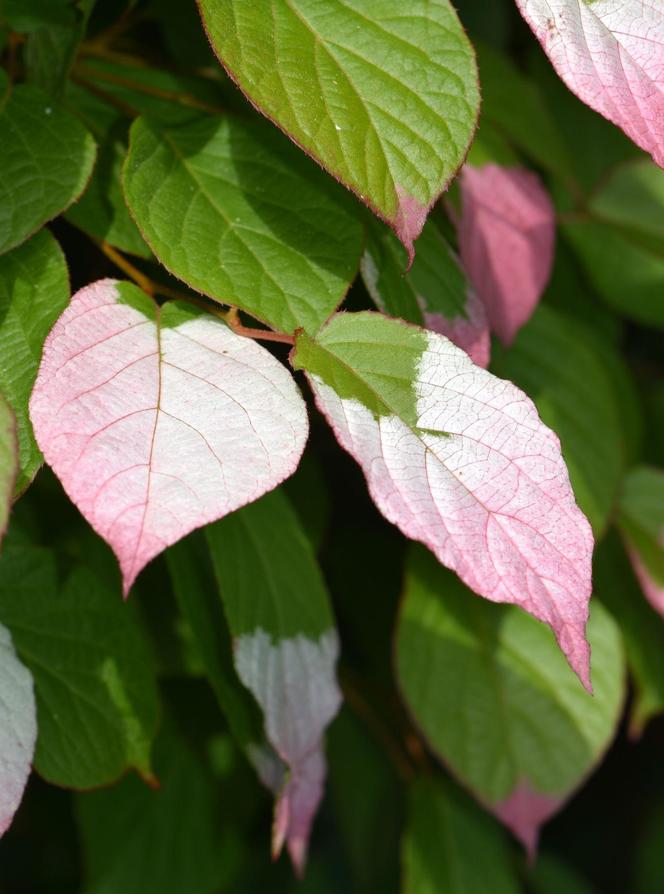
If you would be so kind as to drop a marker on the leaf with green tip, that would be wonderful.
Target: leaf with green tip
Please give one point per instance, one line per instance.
(285, 647)
(8, 461)
(141, 840)
(18, 729)
(46, 158)
(95, 686)
(642, 629)
(34, 290)
(384, 96)
(234, 211)
(494, 697)
(451, 846)
(641, 521)
(435, 292)
(576, 399)
(460, 461)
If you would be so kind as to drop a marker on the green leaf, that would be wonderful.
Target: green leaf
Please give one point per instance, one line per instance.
(96, 695)
(496, 700)
(552, 876)
(575, 398)
(46, 158)
(285, 648)
(234, 211)
(384, 96)
(34, 290)
(8, 461)
(435, 292)
(641, 520)
(620, 241)
(51, 49)
(451, 846)
(102, 211)
(513, 104)
(26, 17)
(167, 840)
(641, 627)
(194, 585)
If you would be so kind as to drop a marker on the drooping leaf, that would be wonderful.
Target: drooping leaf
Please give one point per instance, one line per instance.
(194, 584)
(167, 840)
(160, 420)
(46, 157)
(18, 729)
(286, 648)
(494, 697)
(459, 460)
(641, 521)
(608, 52)
(34, 290)
(384, 96)
(95, 687)
(231, 208)
(506, 237)
(641, 628)
(8, 461)
(102, 211)
(555, 362)
(451, 846)
(620, 241)
(434, 293)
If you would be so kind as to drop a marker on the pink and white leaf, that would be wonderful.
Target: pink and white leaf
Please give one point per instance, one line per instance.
(294, 682)
(610, 53)
(18, 729)
(157, 424)
(506, 239)
(470, 333)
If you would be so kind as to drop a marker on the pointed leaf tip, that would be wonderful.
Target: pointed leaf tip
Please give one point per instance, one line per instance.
(610, 53)
(460, 461)
(159, 421)
(506, 237)
(524, 812)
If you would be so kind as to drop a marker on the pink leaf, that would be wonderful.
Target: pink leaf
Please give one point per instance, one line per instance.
(18, 729)
(160, 420)
(506, 237)
(611, 54)
(524, 812)
(460, 461)
(652, 589)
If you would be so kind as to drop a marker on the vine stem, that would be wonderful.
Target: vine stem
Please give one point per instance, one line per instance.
(231, 316)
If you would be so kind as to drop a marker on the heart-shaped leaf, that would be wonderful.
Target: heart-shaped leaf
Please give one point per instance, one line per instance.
(494, 697)
(232, 209)
(160, 420)
(46, 157)
(435, 292)
(18, 729)
(610, 53)
(506, 237)
(34, 290)
(459, 460)
(383, 95)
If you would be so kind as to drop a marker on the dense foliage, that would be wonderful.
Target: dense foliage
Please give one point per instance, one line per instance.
(350, 382)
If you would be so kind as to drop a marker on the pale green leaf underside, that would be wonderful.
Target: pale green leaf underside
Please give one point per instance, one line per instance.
(96, 693)
(641, 517)
(575, 398)
(474, 672)
(34, 290)
(46, 156)
(384, 95)
(232, 209)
